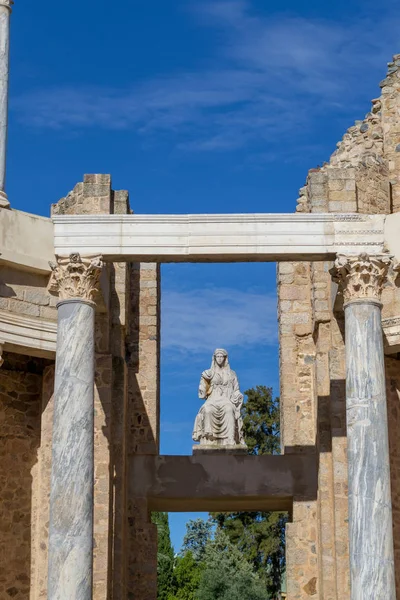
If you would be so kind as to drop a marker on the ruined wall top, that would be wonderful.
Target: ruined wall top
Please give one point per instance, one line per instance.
(369, 152)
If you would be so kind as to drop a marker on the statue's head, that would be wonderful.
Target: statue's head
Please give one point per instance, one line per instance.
(220, 357)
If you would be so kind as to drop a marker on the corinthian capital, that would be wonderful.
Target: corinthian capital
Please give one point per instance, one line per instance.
(75, 277)
(361, 277)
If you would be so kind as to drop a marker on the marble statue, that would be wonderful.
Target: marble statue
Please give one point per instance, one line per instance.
(219, 422)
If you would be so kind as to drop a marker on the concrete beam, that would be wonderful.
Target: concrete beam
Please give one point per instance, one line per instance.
(223, 483)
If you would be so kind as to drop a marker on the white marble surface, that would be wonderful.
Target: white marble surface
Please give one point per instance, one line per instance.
(219, 237)
(370, 509)
(71, 499)
(26, 240)
(30, 333)
(5, 10)
(219, 421)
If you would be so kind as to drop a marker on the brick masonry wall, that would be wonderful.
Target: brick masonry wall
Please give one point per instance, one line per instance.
(143, 359)
(20, 408)
(362, 176)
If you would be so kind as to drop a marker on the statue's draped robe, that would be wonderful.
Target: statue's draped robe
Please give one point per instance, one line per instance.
(219, 418)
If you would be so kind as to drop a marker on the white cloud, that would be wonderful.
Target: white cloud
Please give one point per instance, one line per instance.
(197, 320)
(268, 76)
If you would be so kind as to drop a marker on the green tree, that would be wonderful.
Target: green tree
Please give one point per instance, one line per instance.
(186, 577)
(227, 575)
(259, 536)
(261, 421)
(165, 555)
(198, 534)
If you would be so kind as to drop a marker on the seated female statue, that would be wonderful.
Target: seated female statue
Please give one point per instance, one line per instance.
(219, 421)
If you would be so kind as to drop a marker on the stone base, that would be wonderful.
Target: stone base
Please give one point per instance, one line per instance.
(214, 449)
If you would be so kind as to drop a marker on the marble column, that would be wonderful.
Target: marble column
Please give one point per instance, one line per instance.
(370, 507)
(5, 12)
(1, 353)
(71, 496)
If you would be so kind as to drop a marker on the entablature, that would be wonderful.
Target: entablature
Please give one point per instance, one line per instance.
(219, 238)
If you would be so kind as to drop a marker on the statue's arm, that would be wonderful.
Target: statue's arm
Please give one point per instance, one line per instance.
(204, 385)
(237, 394)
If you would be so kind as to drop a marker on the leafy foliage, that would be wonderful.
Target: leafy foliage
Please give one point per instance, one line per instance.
(165, 556)
(186, 577)
(227, 575)
(198, 533)
(261, 421)
(260, 537)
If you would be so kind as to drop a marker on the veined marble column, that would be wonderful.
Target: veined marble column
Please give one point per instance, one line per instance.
(370, 506)
(71, 495)
(5, 12)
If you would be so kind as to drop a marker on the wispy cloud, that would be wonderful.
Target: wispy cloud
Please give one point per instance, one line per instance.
(268, 76)
(197, 320)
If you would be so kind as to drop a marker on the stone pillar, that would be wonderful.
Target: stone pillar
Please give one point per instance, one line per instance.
(1, 353)
(71, 496)
(5, 11)
(370, 507)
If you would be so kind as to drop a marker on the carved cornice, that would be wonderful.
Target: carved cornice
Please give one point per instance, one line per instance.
(76, 277)
(361, 277)
(28, 333)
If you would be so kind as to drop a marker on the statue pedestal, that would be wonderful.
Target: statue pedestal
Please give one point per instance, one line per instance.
(206, 449)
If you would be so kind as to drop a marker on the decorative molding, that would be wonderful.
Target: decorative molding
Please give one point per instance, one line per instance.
(28, 332)
(391, 322)
(76, 277)
(356, 231)
(391, 334)
(361, 277)
(218, 238)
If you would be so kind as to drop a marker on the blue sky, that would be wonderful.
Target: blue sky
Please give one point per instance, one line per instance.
(199, 106)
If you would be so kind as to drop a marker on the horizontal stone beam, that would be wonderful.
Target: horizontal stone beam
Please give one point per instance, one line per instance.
(223, 483)
(32, 335)
(218, 238)
(26, 241)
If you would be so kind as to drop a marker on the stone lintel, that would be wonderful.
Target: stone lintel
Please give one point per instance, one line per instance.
(223, 483)
(218, 237)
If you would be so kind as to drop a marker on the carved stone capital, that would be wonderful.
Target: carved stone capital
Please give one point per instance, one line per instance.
(7, 3)
(361, 277)
(76, 277)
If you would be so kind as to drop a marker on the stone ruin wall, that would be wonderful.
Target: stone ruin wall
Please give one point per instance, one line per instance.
(363, 175)
(126, 419)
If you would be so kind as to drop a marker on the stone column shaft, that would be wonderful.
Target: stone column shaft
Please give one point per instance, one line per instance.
(370, 507)
(5, 12)
(72, 475)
